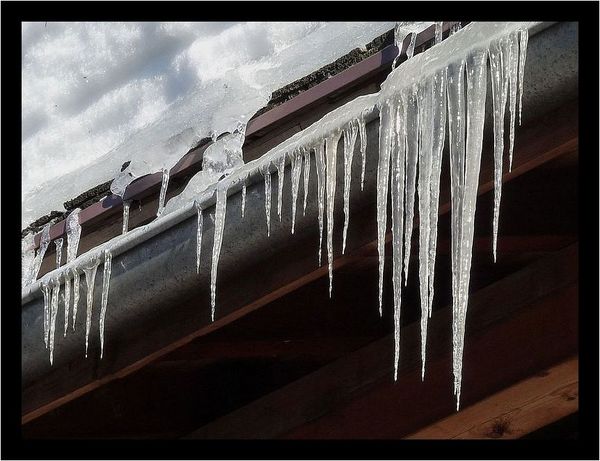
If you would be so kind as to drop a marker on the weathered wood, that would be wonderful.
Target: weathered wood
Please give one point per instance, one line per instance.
(526, 321)
(522, 408)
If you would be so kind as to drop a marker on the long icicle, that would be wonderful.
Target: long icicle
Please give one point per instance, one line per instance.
(220, 210)
(105, 289)
(523, 39)
(73, 237)
(412, 157)
(46, 293)
(199, 224)
(349, 142)
(59, 245)
(331, 144)
(163, 191)
(53, 313)
(126, 205)
(67, 299)
(320, 162)
(39, 257)
(383, 174)
(90, 278)
(75, 295)
(280, 180)
(513, 75)
(267, 174)
(362, 130)
(306, 177)
(243, 198)
(296, 170)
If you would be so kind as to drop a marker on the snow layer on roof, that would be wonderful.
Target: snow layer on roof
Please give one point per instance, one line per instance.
(96, 95)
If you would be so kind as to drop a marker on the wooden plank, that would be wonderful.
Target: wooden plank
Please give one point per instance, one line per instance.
(515, 411)
(542, 298)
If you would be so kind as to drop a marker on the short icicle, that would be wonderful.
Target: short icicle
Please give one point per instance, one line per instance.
(280, 180)
(320, 162)
(105, 289)
(126, 205)
(296, 170)
(199, 224)
(163, 191)
(349, 142)
(331, 145)
(53, 313)
(306, 177)
(267, 174)
(59, 245)
(220, 210)
(90, 278)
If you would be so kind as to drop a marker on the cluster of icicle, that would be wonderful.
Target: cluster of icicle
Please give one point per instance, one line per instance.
(68, 274)
(444, 86)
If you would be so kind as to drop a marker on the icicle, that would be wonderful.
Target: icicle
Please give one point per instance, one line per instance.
(27, 258)
(75, 295)
(513, 74)
(163, 191)
(267, 174)
(199, 225)
(439, 28)
(46, 292)
(280, 178)
(331, 144)
(53, 313)
(397, 145)
(220, 210)
(362, 130)
(243, 198)
(105, 288)
(410, 51)
(320, 162)
(67, 299)
(37, 262)
(306, 177)
(73, 234)
(426, 134)
(296, 170)
(383, 174)
(499, 78)
(412, 156)
(90, 278)
(399, 35)
(524, 38)
(349, 141)
(59, 245)
(126, 205)
(455, 28)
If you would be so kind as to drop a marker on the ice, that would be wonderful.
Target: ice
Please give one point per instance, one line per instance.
(67, 299)
(27, 258)
(126, 205)
(267, 175)
(362, 130)
(163, 191)
(59, 244)
(53, 313)
(513, 74)
(306, 177)
(46, 292)
(383, 174)
(199, 225)
(296, 171)
(331, 145)
(320, 163)
(523, 39)
(401, 31)
(412, 157)
(90, 278)
(37, 262)
(280, 178)
(105, 288)
(439, 27)
(243, 198)
(350, 134)
(73, 234)
(220, 210)
(75, 294)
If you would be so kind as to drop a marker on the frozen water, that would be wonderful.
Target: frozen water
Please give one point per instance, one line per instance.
(296, 171)
(320, 162)
(199, 225)
(331, 145)
(105, 288)
(37, 262)
(220, 210)
(267, 175)
(59, 244)
(126, 205)
(53, 313)
(27, 258)
(306, 177)
(280, 178)
(90, 278)
(75, 294)
(163, 191)
(350, 134)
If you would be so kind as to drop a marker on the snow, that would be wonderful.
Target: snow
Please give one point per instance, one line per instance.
(96, 95)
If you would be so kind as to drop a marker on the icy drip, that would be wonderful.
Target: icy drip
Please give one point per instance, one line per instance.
(426, 133)
(163, 191)
(75, 295)
(320, 162)
(243, 198)
(296, 170)
(439, 28)
(410, 51)
(46, 292)
(267, 174)
(220, 209)
(27, 258)
(67, 299)
(105, 288)
(306, 177)
(397, 145)
(331, 144)
(199, 225)
(349, 141)
(126, 205)
(412, 156)
(59, 245)
(523, 39)
(280, 178)
(53, 313)
(466, 170)
(73, 234)
(499, 78)
(39, 257)
(383, 174)
(90, 278)
(513, 74)
(362, 130)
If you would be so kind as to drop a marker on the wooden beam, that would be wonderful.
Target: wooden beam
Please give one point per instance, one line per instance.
(526, 321)
(515, 411)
